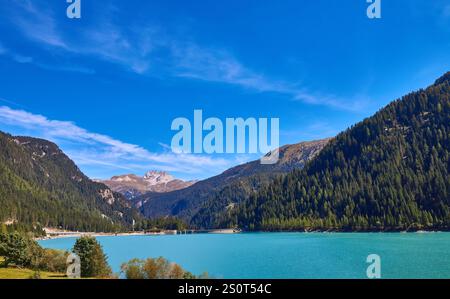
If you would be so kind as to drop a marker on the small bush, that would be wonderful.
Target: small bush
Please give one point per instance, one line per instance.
(54, 261)
(133, 269)
(159, 268)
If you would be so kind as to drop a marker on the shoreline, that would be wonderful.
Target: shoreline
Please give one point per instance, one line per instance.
(64, 235)
(53, 235)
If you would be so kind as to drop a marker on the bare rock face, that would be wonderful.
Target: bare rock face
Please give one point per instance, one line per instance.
(132, 186)
(107, 195)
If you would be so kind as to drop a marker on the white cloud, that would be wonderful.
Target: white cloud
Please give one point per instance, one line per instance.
(98, 150)
(216, 65)
(149, 49)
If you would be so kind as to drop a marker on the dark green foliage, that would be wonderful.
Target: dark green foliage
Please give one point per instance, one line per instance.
(167, 223)
(93, 259)
(389, 172)
(21, 250)
(159, 268)
(217, 209)
(16, 249)
(23, 228)
(42, 187)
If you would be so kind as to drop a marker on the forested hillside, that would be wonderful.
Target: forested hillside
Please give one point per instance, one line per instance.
(389, 172)
(41, 186)
(242, 179)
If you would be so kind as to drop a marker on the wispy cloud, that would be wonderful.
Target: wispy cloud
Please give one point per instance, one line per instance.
(9, 102)
(192, 61)
(65, 68)
(148, 49)
(16, 57)
(216, 65)
(38, 23)
(131, 49)
(46, 66)
(99, 150)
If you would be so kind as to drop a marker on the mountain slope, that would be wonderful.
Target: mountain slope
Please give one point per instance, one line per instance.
(42, 186)
(132, 186)
(187, 202)
(389, 172)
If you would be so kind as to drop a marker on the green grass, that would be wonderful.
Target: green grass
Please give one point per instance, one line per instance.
(16, 273)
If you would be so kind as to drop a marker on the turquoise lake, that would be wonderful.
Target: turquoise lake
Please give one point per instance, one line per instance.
(286, 255)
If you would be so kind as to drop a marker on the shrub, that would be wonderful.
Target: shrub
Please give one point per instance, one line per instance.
(133, 269)
(159, 268)
(54, 261)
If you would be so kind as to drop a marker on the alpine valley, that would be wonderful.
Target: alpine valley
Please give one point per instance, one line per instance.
(389, 172)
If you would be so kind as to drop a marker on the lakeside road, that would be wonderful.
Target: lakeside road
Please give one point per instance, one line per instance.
(59, 234)
(53, 236)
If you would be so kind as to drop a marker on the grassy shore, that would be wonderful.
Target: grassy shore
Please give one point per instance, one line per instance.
(16, 273)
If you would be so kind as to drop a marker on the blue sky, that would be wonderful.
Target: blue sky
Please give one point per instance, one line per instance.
(107, 87)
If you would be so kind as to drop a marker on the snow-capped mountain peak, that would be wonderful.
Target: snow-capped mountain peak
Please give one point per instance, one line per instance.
(154, 177)
(132, 185)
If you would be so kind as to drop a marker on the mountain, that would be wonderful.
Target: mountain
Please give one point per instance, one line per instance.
(41, 186)
(132, 186)
(388, 172)
(187, 202)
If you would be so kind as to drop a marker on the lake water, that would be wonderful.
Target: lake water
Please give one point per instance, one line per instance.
(286, 255)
